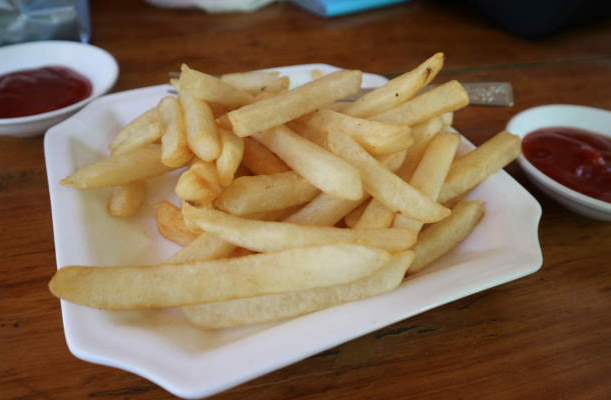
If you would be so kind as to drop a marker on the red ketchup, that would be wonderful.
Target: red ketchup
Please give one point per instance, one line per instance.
(573, 157)
(35, 91)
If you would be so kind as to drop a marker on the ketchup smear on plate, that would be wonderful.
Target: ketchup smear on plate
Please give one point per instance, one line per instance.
(573, 157)
(35, 91)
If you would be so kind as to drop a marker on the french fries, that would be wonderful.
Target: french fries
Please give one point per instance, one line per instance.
(321, 168)
(275, 236)
(261, 161)
(119, 169)
(171, 225)
(287, 106)
(231, 155)
(261, 193)
(324, 210)
(332, 195)
(206, 246)
(447, 97)
(127, 199)
(255, 310)
(396, 91)
(201, 130)
(353, 217)
(171, 285)
(385, 186)
(422, 133)
(175, 151)
(211, 89)
(146, 121)
(143, 131)
(255, 82)
(377, 138)
(473, 168)
(439, 238)
(199, 185)
(429, 176)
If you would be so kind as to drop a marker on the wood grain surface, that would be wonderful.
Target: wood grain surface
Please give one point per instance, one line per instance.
(545, 336)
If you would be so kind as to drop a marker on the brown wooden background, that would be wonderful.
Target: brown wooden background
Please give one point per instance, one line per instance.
(545, 336)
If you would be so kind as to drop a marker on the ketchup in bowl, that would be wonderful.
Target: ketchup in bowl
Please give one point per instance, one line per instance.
(576, 158)
(35, 91)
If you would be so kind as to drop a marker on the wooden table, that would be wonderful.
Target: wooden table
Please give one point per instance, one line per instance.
(543, 336)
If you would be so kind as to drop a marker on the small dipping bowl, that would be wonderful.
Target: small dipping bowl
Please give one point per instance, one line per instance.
(591, 119)
(94, 63)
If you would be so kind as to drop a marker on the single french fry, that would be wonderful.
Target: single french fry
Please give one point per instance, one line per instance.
(377, 138)
(171, 224)
(287, 106)
(255, 310)
(438, 239)
(397, 90)
(422, 133)
(149, 134)
(170, 285)
(199, 185)
(320, 167)
(255, 82)
(266, 236)
(230, 157)
(202, 135)
(262, 193)
(384, 185)
(205, 246)
(470, 170)
(447, 118)
(126, 200)
(260, 160)
(137, 127)
(324, 210)
(431, 173)
(450, 96)
(175, 151)
(435, 163)
(175, 82)
(119, 169)
(212, 89)
(141, 132)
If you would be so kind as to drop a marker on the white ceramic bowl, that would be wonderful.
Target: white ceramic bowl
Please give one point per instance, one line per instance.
(592, 119)
(94, 63)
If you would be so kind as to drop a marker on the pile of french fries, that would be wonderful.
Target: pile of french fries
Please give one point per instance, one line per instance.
(291, 201)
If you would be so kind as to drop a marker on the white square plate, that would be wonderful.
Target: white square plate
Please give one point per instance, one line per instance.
(163, 347)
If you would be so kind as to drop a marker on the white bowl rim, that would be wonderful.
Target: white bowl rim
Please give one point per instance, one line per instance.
(551, 183)
(113, 73)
